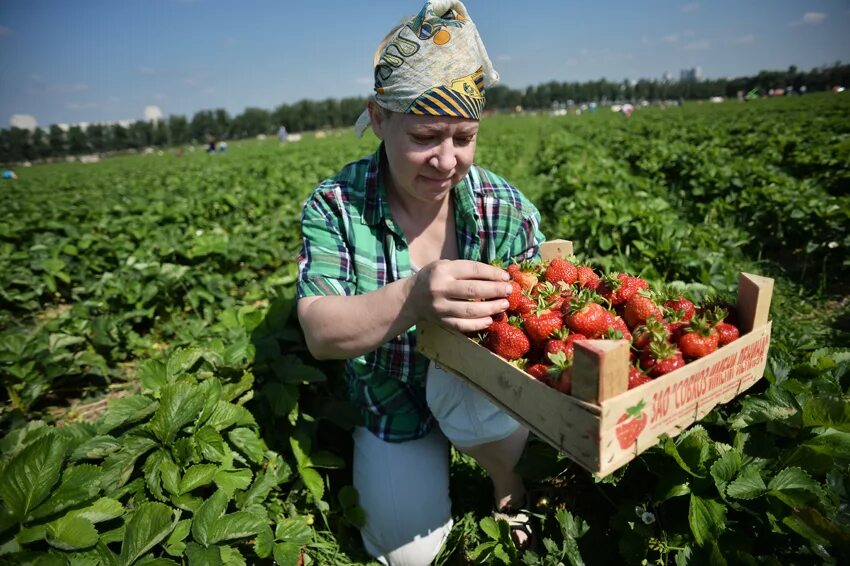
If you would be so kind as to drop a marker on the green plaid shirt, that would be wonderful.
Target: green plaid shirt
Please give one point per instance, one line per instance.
(353, 246)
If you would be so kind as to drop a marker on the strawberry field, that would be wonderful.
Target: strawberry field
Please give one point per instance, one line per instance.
(160, 406)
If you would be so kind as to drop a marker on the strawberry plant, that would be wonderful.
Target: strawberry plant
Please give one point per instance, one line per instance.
(162, 277)
(178, 470)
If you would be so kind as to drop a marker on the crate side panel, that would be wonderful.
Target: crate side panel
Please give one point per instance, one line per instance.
(672, 402)
(562, 421)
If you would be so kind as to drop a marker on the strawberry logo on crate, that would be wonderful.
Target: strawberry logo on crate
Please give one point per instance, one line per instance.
(630, 425)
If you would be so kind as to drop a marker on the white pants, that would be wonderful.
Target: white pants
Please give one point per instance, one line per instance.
(404, 490)
(404, 486)
(466, 417)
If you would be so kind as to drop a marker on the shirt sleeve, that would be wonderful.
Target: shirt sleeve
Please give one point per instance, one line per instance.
(325, 262)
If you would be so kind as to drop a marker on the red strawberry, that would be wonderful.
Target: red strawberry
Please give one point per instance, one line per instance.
(617, 288)
(630, 425)
(524, 275)
(675, 324)
(562, 341)
(637, 377)
(652, 330)
(661, 358)
(507, 340)
(584, 316)
(551, 293)
(542, 322)
(726, 333)
(540, 372)
(640, 307)
(561, 372)
(499, 317)
(617, 330)
(526, 304)
(681, 304)
(561, 270)
(699, 339)
(515, 297)
(719, 310)
(587, 278)
(572, 339)
(556, 342)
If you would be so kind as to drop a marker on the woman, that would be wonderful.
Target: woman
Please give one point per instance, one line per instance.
(404, 235)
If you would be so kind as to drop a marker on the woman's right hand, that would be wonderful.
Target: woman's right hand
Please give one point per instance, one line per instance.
(460, 294)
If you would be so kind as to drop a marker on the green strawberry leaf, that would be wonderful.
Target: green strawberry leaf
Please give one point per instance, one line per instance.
(149, 525)
(287, 553)
(748, 485)
(707, 519)
(71, 533)
(31, 474)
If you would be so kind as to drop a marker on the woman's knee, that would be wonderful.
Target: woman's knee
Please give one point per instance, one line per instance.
(420, 551)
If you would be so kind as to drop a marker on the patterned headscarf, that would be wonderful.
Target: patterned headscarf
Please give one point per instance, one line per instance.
(433, 65)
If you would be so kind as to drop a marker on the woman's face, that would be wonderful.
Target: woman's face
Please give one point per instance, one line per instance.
(427, 155)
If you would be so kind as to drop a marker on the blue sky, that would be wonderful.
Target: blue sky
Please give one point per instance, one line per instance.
(93, 60)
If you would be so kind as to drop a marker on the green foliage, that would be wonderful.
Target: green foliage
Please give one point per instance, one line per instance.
(177, 470)
(165, 285)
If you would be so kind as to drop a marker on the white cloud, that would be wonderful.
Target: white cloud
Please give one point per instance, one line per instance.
(23, 121)
(701, 45)
(672, 38)
(691, 7)
(644, 40)
(745, 39)
(5, 32)
(810, 19)
(153, 113)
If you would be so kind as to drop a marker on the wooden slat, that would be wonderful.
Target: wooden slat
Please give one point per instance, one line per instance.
(754, 295)
(555, 248)
(600, 369)
(565, 422)
(587, 425)
(674, 401)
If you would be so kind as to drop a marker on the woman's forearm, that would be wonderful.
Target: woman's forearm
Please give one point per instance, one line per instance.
(342, 327)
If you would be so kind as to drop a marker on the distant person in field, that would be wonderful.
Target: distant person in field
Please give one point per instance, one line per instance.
(406, 234)
(628, 109)
(282, 134)
(211, 141)
(9, 174)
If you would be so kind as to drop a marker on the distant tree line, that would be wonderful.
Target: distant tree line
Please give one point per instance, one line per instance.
(18, 145)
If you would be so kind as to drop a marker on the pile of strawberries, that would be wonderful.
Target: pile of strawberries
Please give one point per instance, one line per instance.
(555, 304)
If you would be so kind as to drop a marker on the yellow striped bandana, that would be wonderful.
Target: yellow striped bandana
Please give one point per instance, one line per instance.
(433, 65)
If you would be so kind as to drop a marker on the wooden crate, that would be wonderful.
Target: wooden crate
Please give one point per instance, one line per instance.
(595, 425)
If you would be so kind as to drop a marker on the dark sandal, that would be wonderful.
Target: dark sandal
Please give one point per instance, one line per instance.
(517, 520)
